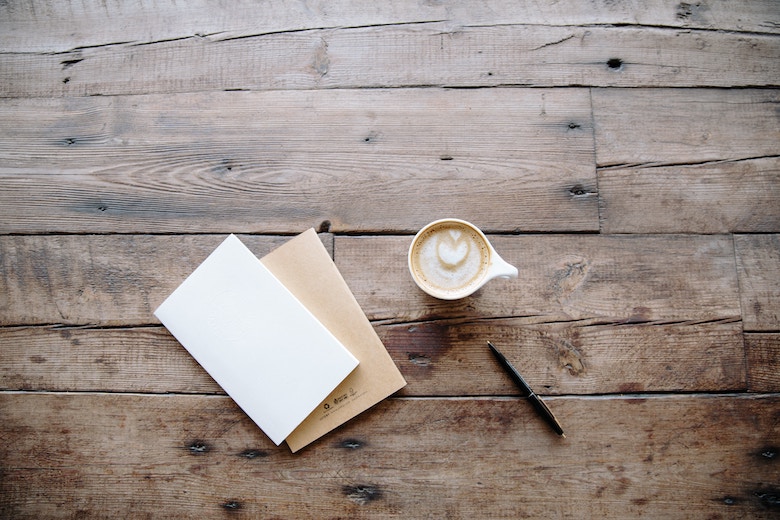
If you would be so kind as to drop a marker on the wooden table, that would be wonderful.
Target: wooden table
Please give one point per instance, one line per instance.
(624, 155)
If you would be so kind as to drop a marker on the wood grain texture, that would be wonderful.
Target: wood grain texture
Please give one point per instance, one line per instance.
(715, 197)
(439, 358)
(429, 54)
(119, 280)
(97, 455)
(681, 161)
(451, 358)
(68, 359)
(45, 26)
(623, 154)
(763, 361)
(615, 279)
(758, 262)
(105, 280)
(662, 127)
(363, 160)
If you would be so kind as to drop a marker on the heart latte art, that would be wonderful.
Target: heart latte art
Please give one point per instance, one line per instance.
(450, 258)
(452, 248)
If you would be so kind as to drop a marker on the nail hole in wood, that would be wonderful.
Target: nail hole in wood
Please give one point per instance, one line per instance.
(351, 444)
(419, 359)
(362, 494)
(769, 453)
(770, 498)
(232, 505)
(253, 454)
(198, 448)
(615, 64)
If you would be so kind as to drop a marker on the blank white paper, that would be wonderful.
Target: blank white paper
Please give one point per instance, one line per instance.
(262, 346)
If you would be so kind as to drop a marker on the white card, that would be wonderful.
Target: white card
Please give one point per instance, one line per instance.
(265, 349)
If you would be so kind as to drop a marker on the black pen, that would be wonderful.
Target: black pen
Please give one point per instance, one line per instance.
(538, 403)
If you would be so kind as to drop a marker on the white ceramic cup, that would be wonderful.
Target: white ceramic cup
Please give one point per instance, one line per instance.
(451, 259)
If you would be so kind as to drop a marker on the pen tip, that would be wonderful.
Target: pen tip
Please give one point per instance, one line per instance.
(563, 435)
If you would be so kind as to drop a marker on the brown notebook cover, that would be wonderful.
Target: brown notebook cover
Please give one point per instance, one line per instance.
(304, 266)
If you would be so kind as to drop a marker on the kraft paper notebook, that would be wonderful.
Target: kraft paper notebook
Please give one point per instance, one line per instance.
(266, 350)
(304, 266)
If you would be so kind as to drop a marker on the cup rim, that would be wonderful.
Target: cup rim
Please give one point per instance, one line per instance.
(466, 291)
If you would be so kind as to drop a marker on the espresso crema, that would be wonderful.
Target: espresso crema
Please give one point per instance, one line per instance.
(450, 258)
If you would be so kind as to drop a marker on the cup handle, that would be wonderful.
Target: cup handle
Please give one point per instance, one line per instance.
(499, 268)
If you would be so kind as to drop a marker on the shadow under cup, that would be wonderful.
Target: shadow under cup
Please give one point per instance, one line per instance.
(449, 259)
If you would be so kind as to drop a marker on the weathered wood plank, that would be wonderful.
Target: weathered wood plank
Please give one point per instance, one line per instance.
(281, 162)
(626, 278)
(763, 361)
(46, 26)
(144, 359)
(662, 127)
(67, 455)
(441, 358)
(106, 280)
(589, 314)
(681, 161)
(403, 56)
(120, 279)
(739, 196)
(758, 262)
(58, 279)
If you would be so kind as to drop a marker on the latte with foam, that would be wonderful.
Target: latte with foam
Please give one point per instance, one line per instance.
(449, 259)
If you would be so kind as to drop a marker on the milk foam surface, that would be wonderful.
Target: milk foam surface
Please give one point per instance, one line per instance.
(450, 257)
